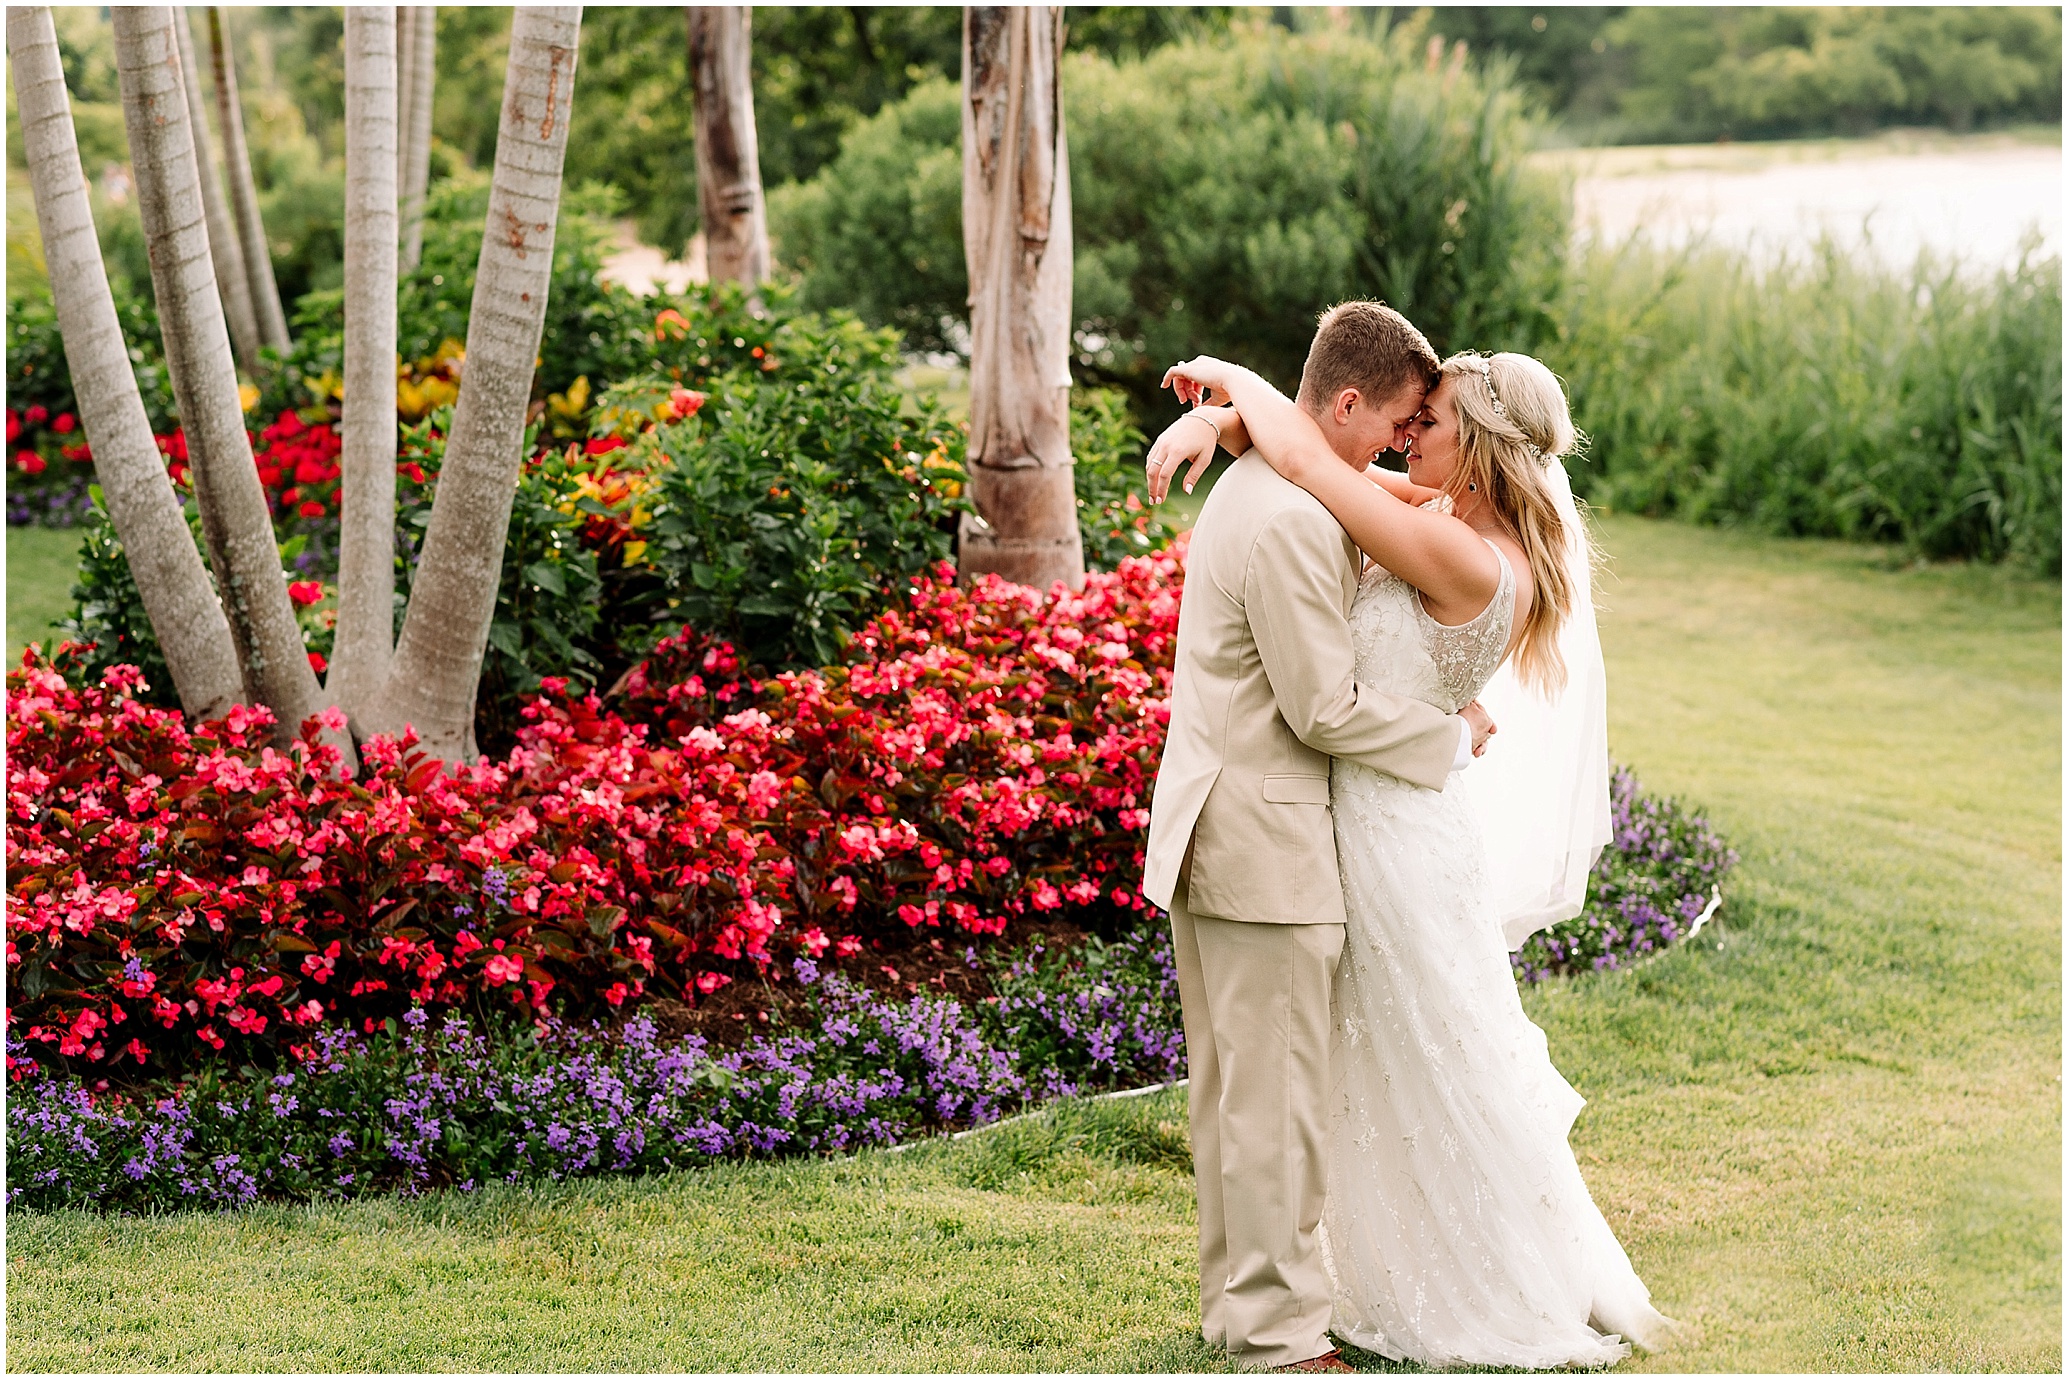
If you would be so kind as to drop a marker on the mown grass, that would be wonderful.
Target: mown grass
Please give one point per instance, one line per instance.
(1829, 1134)
(40, 565)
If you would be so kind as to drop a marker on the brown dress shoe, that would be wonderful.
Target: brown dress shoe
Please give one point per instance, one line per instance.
(1328, 1361)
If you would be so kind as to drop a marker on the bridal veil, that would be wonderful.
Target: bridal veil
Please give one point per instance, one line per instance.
(1541, 791)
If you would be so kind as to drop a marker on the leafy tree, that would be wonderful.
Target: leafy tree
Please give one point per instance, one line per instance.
(1560, 54)
(1288, 172)
(1767, 72)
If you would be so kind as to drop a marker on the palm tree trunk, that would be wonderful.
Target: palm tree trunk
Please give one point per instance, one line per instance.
(234, 518)
(1016, 238)
(735, 217)
(184, 613)
(230, 277)
(366, 555)
(418, 77)
(405, 39)
(251, 231)
(452, 600)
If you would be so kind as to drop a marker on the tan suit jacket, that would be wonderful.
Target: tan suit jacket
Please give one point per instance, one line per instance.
(1263, 696)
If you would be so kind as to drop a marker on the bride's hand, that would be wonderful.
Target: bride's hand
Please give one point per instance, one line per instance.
(1195, 378)
(1190, 439)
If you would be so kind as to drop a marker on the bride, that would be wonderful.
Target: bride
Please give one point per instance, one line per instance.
(1458, 1230)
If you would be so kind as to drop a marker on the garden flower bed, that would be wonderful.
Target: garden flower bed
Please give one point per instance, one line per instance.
(982, 755)
(1657, 882)
(421, 1104)
(762, 917)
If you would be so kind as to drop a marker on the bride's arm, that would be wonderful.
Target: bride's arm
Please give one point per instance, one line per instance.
(1432, 551)
(1182, 446)
(1400, 486)
(1234, 438)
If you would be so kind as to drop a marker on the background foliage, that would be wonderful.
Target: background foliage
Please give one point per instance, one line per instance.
(1824, 396)
(1641, 73)
(1287, 172)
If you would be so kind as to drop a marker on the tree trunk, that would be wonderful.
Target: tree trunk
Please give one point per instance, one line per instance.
(452, 601)
(182, 606)
(417, 75)
(234, 517)
(230, 277)
(366, 553)
(251, 231)
(405, 42)
(735, 217)
(1016, 238)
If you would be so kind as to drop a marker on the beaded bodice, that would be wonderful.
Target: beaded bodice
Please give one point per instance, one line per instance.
(1402, 650)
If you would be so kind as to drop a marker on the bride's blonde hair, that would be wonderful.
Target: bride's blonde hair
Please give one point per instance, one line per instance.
(1513, 421)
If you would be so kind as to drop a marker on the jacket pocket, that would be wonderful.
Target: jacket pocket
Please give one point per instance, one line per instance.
(1296, 790)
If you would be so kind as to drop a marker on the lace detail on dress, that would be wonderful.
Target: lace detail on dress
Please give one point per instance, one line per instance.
(1402, 650)
(1467, 655)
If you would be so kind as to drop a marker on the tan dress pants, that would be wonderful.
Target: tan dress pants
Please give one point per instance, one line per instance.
(1256, 1000)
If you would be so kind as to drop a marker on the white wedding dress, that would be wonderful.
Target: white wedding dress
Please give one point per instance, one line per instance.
(1458, 1230)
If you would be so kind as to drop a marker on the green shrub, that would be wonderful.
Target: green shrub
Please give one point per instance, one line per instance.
(799, 495)
(108, 611)
(1284, 173)
(592, 328)
(547, 605)
(38, 374)
(879, 232)
(1768, 71)
(548, 598)
(1824, 396)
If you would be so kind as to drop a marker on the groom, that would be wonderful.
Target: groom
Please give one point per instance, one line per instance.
(1241, 847)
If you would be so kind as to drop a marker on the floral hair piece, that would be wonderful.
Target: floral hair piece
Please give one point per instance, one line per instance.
(1486, 372)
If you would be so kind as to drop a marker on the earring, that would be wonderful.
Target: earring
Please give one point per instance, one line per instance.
(1471, 488)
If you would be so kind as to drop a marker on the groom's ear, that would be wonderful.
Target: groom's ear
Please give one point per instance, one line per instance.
(1346, 403)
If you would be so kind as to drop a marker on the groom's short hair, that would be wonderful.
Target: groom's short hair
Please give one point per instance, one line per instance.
(1367, 346)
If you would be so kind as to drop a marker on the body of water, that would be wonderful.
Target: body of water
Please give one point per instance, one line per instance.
(1978, 197)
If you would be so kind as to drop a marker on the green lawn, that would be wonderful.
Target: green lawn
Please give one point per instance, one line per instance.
(40, 562)
(1829, 1135)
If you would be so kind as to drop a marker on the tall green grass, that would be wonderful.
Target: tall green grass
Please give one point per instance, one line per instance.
(1823, 395)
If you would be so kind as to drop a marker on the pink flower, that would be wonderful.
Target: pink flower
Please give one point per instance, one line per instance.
(503, 968)
(763, 790)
